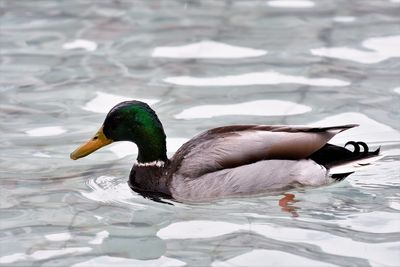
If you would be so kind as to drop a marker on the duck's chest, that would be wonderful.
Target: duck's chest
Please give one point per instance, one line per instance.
(149, 179)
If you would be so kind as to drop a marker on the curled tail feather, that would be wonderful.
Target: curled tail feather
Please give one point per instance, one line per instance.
(341, 161)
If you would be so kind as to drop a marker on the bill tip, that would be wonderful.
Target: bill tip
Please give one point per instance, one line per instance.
(73, 157)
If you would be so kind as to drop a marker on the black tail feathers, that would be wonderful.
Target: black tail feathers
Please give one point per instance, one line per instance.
(365, 147)
(332, 155)
(340, 176)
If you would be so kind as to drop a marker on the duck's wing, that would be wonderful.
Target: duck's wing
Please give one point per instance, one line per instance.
(233, 146)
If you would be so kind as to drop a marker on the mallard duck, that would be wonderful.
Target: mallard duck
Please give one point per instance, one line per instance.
(229, 161)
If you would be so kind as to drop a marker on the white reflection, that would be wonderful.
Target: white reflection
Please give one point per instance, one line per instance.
(100, 236)
(262, 258)
(58, 237)
(46, 131)
(123, 149)
(80, 44)
(368, 131)
(397, 90)
(41, 155)
(103, 102)
(344, 19)
(206, 49)
(43, 254)
(388, 46)
(394, 204)
(379, 254)
(106, 261)
(291, 3)
(365, 57)
(268, 77)
(382, 48)
(254, 108)
(173, 144)
(368, 180)
(198, 229)
(372, 222)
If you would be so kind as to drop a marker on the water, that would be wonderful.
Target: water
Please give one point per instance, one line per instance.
(200, 64)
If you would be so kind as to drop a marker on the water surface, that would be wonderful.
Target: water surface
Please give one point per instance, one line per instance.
(199, 64)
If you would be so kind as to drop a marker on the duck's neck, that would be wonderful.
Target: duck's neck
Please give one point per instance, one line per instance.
(152, 145)
(152, 152)
(148, 174)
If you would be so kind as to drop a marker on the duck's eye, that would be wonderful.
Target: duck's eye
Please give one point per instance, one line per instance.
(95, 138)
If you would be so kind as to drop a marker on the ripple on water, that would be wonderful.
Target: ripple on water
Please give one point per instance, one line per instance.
(58, 237)
(52, 64)
(107, 189)
(46, 131)
(103, 102)
(344, 19)
(206, 49)
(198, 229)
(291, 3)
(372, 222)
(368, 131)
(123, 149)
(253, 108)
(105, 261)
(43, 254)
(380, 49)
(41, 155)
(379, 253)
(100, 236)
(81, 44)
(253, 78)
(263, 257)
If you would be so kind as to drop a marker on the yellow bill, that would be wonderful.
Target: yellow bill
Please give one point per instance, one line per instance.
(97, 141)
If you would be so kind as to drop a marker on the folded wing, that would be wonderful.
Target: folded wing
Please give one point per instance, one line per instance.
(233, 146)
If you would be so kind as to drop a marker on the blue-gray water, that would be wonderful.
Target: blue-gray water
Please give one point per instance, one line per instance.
(200, 64)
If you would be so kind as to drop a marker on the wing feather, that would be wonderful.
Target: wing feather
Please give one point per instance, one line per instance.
(233, 146)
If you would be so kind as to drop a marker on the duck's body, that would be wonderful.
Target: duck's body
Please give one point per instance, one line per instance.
(228, 161)
(244, 180)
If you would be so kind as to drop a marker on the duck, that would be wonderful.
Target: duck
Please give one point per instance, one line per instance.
(228, 161)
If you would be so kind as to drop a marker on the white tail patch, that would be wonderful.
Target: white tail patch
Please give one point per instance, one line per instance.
(354, 165)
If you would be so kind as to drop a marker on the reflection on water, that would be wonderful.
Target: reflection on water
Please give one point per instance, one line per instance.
(199, 64)
(207, 49)
(103, 102)
(344, 19)
(46, 131)
(291, 4)
(105, 261)
(41, 255)
(273, 257)
(83, 44)
(378, 49)
(255, 108)
(268, 77)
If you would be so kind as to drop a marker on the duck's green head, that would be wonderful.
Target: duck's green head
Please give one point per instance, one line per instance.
(131, 121)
